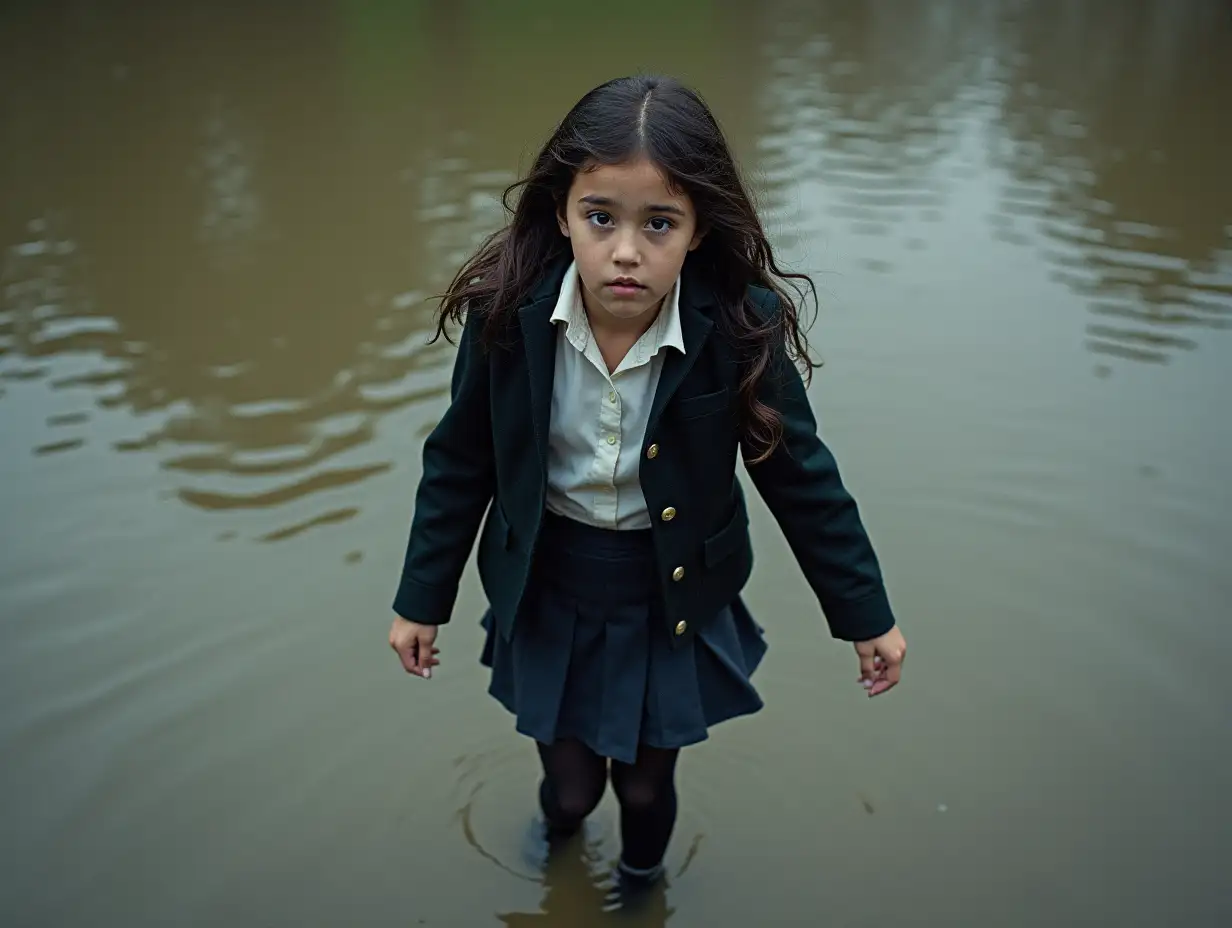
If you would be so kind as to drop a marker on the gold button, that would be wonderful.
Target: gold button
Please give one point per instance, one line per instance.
(669, 513)
(681, 626)
(652, 452)
(612, 396)
(611, 439)
(678, 574)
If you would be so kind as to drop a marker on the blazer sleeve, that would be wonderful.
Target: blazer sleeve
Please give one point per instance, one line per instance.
(801, 485)
(456, 487)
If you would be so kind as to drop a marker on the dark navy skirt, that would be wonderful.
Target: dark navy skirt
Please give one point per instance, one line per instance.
(591, 656)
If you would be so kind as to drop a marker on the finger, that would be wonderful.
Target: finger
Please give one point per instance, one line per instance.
(879, 687)
(868, 664)
(424, 645)
(407, 655)
(894, 672)
(868, 669)
(889, 674)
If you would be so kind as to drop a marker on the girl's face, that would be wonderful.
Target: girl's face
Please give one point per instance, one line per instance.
(630, 235)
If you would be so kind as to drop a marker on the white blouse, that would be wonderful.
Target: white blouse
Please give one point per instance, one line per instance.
(599, 419)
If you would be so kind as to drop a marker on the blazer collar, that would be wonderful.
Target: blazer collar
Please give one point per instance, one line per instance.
(534, 319)
(697, 302)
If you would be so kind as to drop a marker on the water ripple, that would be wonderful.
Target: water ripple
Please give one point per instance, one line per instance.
(325, 480)
(272, 411)
(1132, 209)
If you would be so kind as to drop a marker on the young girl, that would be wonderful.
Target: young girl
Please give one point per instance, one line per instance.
(622, 339)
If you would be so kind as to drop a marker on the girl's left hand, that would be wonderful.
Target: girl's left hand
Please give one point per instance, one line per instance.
(881, 661)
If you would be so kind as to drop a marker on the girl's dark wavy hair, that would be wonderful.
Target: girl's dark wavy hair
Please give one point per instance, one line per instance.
(666, 122)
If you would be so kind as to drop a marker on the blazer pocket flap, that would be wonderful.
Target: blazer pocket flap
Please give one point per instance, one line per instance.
(728, 539)
(693, 407)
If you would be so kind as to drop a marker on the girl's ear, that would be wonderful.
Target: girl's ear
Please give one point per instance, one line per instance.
(562, 222)
(697, 237)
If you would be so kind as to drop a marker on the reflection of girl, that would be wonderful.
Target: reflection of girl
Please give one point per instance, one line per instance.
(570, 899)
(622, 339)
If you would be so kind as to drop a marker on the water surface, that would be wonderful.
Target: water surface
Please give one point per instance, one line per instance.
(219, 230)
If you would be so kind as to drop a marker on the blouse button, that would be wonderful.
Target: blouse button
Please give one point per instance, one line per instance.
(652, 452)
(678, 574)
(669, 513)
(611, 439)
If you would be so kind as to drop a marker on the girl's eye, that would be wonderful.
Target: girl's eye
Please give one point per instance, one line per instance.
(660, 224)
(600, 219)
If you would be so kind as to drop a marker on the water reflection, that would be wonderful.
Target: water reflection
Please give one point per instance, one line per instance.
(876, 111)
(231, 207)
(871, 109)
(244, 281)
(866, 101)
(235, 243)
(1117, 118)
(219, 227)
(572, 898)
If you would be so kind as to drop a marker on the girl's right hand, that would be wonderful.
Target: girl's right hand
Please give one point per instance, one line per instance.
(414, 644)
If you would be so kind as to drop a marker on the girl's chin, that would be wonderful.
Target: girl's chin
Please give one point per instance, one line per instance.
(627, 310)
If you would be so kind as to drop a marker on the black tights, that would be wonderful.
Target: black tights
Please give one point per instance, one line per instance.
(574, 778)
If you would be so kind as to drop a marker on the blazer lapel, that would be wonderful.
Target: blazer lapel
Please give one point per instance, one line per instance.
(539, 342)
(695, 326)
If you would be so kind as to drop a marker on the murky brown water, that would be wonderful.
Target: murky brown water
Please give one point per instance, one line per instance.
(216, 233)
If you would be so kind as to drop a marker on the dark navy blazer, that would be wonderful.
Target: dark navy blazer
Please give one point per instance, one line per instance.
(489, 454)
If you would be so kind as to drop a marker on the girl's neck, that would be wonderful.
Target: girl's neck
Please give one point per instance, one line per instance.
(614, 336)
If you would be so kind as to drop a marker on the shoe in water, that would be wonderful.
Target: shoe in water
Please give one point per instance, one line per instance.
(542, 840)
(640, 893)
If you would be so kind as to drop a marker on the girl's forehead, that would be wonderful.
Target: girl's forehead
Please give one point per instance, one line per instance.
(631, 184)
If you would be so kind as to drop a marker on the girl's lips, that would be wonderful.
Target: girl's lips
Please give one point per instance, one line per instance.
(624, 288)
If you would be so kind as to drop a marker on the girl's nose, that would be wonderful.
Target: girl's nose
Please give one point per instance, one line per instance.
(625, 251)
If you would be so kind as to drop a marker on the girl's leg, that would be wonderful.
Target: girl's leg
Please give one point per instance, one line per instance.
(647, 794)
(574, 778)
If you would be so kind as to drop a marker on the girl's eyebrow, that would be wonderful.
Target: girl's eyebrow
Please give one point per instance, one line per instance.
(594, 199)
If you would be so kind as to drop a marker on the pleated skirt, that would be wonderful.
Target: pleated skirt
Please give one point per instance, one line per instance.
(591, 656)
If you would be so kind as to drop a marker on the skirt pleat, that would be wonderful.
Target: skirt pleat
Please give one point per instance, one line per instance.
(591, 657)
